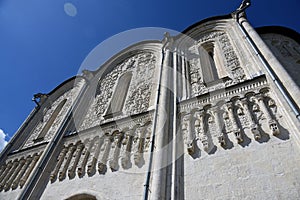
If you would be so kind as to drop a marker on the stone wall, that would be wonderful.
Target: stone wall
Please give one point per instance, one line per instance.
(257, 171)
(108, 161)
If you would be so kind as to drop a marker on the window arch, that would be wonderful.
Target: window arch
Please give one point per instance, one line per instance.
(50, 121)
(118, 99)
(208, 62)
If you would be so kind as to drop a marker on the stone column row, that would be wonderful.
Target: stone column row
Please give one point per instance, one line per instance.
(15, 173)
(94, 154)
(200, 124)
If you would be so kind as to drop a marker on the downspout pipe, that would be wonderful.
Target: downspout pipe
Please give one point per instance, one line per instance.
(147, 183)
(34, 178)
(245, 4)
(174, 139)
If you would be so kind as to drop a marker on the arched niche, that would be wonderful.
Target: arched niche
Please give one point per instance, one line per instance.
(117, 102)
(50, 121)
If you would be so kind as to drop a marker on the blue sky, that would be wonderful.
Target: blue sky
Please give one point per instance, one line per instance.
(43, 42)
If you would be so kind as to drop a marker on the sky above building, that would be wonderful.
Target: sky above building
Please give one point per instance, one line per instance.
(43, 43)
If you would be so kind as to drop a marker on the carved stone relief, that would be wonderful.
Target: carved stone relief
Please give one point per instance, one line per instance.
(142, 65)
(69, 95)
(236, 73)
(196, 78)
(188, 134)
(231, 64)
(110, 149)
(14, 173)
(214, 122)
(287, 51)
(287, 48)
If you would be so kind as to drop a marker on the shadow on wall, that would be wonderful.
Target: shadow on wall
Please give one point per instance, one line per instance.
(82, 197)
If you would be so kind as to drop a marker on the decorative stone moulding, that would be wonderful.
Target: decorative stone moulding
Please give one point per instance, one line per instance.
(52, 115)
(142, 67)
(212, 45)
(113, 146)
(230, 111)
(14, 173)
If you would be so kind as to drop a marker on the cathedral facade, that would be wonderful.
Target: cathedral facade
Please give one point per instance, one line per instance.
(212, 113)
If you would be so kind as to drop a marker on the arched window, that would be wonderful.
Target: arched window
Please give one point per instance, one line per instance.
(50, 121)
(117, 101)
(208, 63)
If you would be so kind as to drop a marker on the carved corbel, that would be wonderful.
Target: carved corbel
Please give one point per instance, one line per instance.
(255, 131)
(221, 140)
(238, 136)
(274, 127)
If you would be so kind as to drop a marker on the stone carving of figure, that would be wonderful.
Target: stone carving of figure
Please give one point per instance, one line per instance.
(126, 148)
(139, 142)
(118, 137)
(188, 134)
(236, 129)
(269, 116)
(199, 129)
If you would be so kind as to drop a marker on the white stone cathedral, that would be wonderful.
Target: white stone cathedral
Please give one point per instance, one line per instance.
(212, 113)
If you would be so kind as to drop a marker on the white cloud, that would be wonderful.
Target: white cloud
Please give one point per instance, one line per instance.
(3, 142)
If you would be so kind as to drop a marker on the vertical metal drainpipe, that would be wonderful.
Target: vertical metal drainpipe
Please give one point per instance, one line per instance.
(174, 139)
(266, 65)
(31, 182)
(147, 184)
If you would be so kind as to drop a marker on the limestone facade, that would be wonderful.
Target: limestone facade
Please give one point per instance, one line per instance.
(208, 114)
